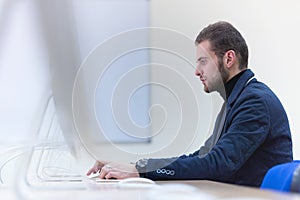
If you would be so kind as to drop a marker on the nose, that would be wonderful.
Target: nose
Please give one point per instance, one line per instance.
(197, 72)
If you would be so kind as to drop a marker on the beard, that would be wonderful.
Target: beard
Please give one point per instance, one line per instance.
(223, 71)
(220, 80)
(224, 75)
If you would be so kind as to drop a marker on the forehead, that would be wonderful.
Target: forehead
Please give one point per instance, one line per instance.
(204, 50)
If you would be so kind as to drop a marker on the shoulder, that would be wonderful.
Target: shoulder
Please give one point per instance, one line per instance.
(259, 97)
(260, 91)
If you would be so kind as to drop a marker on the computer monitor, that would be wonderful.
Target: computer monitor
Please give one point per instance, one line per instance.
(68, 46)
(69, 36)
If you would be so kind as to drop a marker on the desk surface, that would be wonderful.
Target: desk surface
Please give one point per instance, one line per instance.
(212, 189)
(229, 191)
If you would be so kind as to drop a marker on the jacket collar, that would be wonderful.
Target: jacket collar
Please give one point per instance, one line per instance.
(239, 86)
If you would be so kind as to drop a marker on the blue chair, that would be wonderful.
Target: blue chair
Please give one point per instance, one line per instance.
(295, 186)
(283, 177)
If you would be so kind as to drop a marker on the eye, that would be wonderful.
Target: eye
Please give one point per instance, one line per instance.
(202, 62)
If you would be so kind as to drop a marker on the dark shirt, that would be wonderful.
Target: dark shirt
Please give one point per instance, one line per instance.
(231, 83)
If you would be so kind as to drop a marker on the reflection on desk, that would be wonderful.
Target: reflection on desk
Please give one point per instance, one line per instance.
(190, 189)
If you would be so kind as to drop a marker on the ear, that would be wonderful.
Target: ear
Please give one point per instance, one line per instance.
(230, 58)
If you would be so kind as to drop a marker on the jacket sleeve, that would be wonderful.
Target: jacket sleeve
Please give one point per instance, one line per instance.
(202, 151)
(246, 130)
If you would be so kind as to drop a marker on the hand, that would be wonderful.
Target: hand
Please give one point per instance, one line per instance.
(96, 168)
(118, 171)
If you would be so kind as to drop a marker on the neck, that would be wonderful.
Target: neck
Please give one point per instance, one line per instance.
(229, 85)
(233, 72)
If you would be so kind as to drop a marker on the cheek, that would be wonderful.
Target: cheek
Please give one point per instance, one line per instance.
(212, 71)
(216, 74)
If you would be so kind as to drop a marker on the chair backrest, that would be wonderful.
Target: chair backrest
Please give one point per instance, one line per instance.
(295, 185)
(281, 177)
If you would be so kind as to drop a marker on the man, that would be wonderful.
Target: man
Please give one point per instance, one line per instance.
(251, 133)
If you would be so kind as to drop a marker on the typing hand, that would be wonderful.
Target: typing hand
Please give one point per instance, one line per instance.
(115, 170)
(96, 168)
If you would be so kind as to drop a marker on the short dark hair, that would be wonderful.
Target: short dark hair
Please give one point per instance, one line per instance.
(223, 37)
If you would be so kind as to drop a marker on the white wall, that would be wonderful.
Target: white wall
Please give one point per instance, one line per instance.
(271, 29)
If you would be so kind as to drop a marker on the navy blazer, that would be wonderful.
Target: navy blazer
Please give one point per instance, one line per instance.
(256, 136)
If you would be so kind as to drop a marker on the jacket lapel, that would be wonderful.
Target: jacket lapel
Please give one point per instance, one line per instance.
(238, 88)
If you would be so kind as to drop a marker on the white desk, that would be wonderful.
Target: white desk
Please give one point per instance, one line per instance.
(223, 191)
(215, 189)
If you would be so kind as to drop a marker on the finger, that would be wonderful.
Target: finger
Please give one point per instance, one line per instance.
(90, 172)
(93, 170)
(113, 174)
(104, 171)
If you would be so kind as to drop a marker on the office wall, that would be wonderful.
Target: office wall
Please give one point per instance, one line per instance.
(271, 29)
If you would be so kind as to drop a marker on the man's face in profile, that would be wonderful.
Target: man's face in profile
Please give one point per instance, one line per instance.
(208, 68)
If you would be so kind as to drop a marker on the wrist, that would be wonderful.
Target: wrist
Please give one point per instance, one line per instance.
(141, 166)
